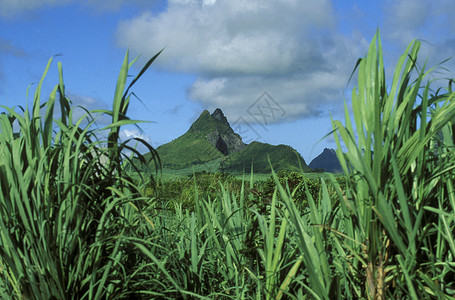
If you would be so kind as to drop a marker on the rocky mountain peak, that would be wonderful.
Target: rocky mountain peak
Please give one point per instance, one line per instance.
(217, 131)
(203, 123)
(218, 115)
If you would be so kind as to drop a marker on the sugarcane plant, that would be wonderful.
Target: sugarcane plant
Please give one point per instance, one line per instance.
(62, 197)
(398, 208)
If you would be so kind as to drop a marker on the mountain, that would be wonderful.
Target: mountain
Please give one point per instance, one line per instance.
(282, 157)
(210, 137)
(218, 132)
(210, 140)
(327, 161)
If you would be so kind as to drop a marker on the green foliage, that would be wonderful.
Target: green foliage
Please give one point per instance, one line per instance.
(189, 149)
(180, 191)
(388, 232)
(64, 199)
(281, 158)
(299, 184)
(398, 205)
(222, 247)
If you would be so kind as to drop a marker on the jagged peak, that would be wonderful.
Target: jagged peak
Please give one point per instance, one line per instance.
(203, 122)
(216, 130)
(207, 122)
(218, 114)
(204, 113)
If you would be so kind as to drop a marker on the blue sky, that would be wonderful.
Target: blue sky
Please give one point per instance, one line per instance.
(277, 68)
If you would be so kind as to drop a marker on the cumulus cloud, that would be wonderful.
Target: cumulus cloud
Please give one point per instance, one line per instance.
(230, 37)
(241, 49)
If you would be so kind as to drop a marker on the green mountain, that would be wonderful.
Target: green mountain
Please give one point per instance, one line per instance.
(281, 157)
(211, 141)
(210, 137)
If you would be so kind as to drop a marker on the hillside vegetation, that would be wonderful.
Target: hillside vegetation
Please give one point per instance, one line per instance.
(262, 157)
(211, 141)
(187, 150)
(209, 138)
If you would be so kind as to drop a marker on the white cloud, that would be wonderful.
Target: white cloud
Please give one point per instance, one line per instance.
(241, 49)
(238, 37)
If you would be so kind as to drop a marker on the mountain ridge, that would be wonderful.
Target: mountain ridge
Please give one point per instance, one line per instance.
(210, 138)
(262, 156)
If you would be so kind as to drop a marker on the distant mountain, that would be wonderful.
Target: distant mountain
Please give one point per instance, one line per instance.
(209, 137)
(211, 141)
(218, 132)
(326, 161)
(282, 157)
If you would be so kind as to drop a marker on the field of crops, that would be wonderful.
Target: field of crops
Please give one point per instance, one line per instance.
(75, 225)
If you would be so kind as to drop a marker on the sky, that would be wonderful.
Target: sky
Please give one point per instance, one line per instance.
(278, 69)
